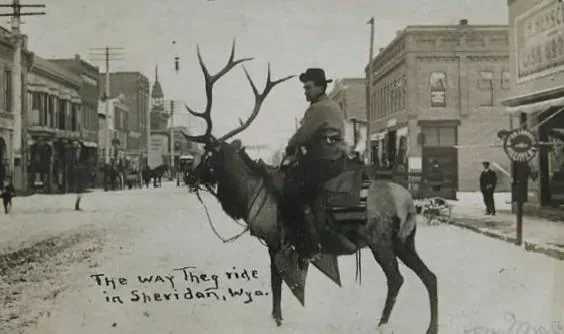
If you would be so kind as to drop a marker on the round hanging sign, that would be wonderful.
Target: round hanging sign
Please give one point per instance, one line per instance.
(520, 145)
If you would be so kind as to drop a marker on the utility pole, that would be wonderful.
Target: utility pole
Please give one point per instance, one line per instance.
(172, 136)
(176, 69)
(19, 140)
(369, 93)
(109, 54)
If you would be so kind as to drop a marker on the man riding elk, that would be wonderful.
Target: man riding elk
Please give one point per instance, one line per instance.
(319, 149)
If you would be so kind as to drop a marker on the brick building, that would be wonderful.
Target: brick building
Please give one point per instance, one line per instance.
(53, 113)
(113, 131)
(10, 164)
(437, 88)
(135, 88)
(350, 94)
(536, 98)
(88, 119)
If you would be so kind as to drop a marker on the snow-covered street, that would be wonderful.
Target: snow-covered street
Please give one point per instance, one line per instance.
(88, 278)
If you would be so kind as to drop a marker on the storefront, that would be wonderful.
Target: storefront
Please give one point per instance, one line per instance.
(536, 101)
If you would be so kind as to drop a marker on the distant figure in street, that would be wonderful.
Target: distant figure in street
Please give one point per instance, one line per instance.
(2, 173)
(8, 191)
(488, 181)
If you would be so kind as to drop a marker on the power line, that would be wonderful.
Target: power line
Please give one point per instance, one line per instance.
(110, 54)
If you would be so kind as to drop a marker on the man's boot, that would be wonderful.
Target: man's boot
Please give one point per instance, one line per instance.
(312, 242)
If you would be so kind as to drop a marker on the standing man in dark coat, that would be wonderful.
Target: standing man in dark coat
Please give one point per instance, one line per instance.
(488, 182)
(320, 150)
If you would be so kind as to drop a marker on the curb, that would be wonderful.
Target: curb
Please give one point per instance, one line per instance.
(535, 247)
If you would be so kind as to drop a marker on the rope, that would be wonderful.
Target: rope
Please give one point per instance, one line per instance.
(233, 238)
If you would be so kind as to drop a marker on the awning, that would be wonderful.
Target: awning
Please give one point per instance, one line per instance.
(401, 131)
(378, 135)
(89, 144)
(538, 106)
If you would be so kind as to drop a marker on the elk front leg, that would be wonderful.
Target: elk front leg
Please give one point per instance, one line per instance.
(276, 287)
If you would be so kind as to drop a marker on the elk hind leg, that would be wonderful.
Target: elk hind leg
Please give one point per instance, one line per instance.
(408, 255)
(384, 254)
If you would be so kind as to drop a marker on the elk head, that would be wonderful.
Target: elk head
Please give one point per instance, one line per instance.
(216, 150)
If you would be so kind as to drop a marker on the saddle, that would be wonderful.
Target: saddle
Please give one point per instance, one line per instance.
(344, 196)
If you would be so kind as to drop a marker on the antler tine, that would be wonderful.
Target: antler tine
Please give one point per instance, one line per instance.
(202, 65)
(230, 64)
(259, 99)
(209, 82)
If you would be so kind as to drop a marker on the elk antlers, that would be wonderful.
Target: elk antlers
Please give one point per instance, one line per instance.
(209, 82)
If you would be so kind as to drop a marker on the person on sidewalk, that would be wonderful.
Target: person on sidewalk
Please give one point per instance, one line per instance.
(488, 182)
(8, 191)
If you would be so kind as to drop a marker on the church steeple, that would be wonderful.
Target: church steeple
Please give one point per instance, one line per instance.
(157, 92)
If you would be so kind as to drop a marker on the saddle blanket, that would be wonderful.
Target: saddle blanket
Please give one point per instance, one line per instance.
(353, 214)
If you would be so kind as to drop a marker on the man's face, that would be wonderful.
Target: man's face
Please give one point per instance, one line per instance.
(311, 91)
(486, 166)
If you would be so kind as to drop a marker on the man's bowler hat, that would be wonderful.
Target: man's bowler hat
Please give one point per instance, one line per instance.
(316, 75)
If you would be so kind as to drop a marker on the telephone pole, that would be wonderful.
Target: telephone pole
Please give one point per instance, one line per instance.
(110, 53)
(19, 141)
(172, 135)
(369, 94)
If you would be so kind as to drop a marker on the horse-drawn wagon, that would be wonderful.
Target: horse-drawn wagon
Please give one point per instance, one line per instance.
(427, 190)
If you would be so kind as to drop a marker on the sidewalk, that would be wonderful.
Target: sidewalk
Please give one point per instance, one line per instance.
(540, 235)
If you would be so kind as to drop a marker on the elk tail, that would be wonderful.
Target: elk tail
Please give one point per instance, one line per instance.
(407, 225)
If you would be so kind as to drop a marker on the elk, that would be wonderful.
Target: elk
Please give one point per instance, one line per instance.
(250, 191)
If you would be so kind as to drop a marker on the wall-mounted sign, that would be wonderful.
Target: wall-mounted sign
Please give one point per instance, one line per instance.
(539, 41)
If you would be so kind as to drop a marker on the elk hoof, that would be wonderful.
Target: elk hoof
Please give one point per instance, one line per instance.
(277, 319)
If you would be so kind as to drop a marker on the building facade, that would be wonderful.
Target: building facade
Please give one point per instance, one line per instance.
(88, 120)
(436, 95)
(536, 98)
(350, 94)
(159, 151)
(113, 130)
(53, 126)
(10, 165)
(135, 88)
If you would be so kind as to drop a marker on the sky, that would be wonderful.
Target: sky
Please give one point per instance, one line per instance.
(291, 35)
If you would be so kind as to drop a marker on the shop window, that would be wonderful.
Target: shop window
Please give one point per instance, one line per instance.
(486, 88)
(439, 136)
(438, 89)
(505, 80)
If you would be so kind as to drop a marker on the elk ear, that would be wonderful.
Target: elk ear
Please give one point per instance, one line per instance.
(236, 144)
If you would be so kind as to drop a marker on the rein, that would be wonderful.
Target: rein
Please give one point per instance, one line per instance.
(247, 227)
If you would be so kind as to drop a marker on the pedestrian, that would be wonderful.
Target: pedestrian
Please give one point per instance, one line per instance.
(8, 191)
(488, 182)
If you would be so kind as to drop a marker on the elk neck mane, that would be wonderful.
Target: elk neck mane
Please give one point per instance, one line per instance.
(234, 196)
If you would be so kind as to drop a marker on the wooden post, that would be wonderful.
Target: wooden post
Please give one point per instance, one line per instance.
(369, 93)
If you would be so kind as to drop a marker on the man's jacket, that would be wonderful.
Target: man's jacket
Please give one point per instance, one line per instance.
(321, 130)
(488, 178)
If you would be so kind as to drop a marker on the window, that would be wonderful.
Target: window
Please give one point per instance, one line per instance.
(485, 86)
(74, 117)
(404, 92)
(438, 89)
(51, 110)
(62, 114)
(505, 80)
(439, 136)
(8, 90)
